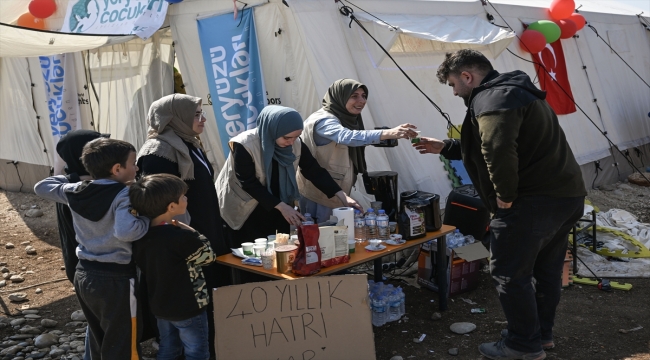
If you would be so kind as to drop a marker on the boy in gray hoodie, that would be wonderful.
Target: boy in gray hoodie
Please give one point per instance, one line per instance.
(105, 277)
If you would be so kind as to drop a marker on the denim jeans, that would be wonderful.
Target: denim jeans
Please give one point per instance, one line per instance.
(528, 244)
(190, 334)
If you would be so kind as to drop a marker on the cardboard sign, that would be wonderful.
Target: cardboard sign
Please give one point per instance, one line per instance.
(315, 318)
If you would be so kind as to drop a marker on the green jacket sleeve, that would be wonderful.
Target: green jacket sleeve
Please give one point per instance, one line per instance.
(499, 131)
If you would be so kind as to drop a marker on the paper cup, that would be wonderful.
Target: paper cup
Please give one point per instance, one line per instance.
(260, 241)
(247, 247)
(351, 246)
(258, 249)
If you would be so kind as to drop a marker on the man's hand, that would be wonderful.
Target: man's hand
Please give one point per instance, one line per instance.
(292, 216)
(503, 205)
(429, 145)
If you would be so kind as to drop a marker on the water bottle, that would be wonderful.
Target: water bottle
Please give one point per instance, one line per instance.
(378, 311)
(394, 301)
(382, 225)
(308, 219)
(402, 302)
(454, 240)
(359, 227)
(371, 224)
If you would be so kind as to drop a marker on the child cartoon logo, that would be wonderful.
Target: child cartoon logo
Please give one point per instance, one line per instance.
(84, 15)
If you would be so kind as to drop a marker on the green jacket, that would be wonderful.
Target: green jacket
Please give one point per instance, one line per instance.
(512, 144)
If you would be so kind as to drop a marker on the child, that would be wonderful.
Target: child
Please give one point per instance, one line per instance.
(69, 149)
(105, 278)
(171, 255)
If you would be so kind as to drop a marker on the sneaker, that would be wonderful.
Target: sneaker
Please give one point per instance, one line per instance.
(499, 351)
(546, 344)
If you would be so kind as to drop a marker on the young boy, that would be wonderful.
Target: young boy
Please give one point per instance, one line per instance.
(69, 148)
(171, 255)
(105, 278)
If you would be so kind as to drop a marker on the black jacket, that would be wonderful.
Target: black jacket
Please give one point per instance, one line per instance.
(512, 143)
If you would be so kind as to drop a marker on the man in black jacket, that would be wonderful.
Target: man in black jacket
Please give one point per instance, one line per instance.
(517, 157)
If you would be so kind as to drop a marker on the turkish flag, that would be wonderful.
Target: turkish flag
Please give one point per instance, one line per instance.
(552, 57)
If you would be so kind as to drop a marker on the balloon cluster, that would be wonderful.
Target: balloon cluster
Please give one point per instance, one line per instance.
(39, 10)
(564, 25)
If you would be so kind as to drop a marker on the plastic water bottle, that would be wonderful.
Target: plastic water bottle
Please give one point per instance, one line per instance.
(394, 301)
(371, 224)
(382, 225)
(359, 227)
(308, 219)
(378, 311)
(402, 301)
(455, 240)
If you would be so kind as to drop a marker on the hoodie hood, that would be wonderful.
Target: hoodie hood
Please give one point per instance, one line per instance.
(92, 200)
(505, 91)
(70, 147)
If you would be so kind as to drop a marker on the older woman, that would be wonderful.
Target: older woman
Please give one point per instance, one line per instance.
(335, 134)
(257, 186)
(173, 147)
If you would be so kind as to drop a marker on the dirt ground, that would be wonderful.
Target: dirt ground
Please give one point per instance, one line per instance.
(587, 323)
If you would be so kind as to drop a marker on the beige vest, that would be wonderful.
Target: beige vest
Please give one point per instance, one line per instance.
(235, 204)
(332, 157)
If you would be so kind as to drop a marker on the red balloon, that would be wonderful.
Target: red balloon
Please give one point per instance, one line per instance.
(42, 8)
(567, 28)
(561, 9)
(579, 20)
(532, 41)
(30, 21)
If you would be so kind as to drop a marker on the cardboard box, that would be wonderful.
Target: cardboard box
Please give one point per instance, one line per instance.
(462, 271)
(316, 317)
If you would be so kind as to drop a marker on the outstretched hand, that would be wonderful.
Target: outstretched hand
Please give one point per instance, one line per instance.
(429, 145)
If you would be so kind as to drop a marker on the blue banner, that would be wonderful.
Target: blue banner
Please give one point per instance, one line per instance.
(232, 64)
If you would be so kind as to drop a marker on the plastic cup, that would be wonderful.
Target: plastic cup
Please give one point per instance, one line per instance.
(267, 260)
(258, 249)
(270, 238)
(392, 226)
(351, 246)
(247, 247)
(260, 241)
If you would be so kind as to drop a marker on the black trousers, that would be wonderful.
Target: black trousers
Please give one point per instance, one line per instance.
(528, 244)
(106, 293)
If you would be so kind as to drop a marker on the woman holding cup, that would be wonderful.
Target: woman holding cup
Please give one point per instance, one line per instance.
(336, 136)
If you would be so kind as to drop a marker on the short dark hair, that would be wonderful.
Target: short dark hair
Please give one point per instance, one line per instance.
(151, 194)
(100, 155)
(463, 60)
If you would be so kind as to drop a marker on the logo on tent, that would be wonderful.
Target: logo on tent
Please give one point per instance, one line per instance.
(84, 15)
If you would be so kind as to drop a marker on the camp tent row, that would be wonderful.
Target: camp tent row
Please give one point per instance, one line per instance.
(304, 46)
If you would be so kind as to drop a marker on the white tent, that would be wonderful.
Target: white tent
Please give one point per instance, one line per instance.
(311, 44)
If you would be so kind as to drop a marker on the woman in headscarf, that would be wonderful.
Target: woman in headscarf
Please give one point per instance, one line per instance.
(173, 147)
(257, 186)
(335, 134)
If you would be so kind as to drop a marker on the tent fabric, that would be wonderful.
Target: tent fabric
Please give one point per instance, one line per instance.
(444, 33)
(20, 138)
(306, 46)
(20, 42)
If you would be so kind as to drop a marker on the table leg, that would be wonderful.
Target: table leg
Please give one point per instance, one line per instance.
(235, 275)
(379, 274)
(442, 272)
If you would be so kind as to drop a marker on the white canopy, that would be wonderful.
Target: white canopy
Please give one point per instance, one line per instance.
(19, 42)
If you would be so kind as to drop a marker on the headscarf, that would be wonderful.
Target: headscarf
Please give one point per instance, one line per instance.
(274, 122)
(170, 122)
(334, 102)
(70, 147)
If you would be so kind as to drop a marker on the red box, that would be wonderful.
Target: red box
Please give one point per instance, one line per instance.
(462, 272)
